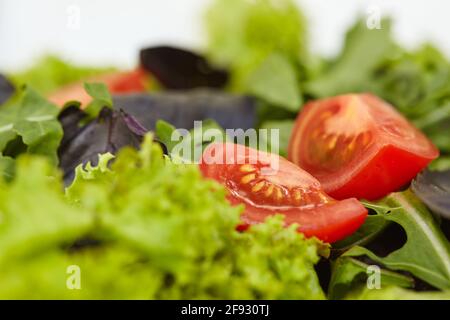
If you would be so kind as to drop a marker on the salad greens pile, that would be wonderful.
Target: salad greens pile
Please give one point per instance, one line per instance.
(144, 228)
(141, 225)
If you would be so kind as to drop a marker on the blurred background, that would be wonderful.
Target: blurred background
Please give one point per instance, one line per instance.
(102, 32)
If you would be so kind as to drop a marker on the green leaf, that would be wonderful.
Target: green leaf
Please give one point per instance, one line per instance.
(34, 120)
(242, 34)
(7, 168)
(34, 214)
(349, 274)
(364, 50)
(426, 253)
(373, 225)
(164, 131)
(396, 293)
(275, 81)
(236, 27)
(285, 128)
(101, 98)
(50, 73)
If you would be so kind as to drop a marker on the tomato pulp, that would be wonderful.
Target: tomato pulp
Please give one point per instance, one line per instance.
(358, 145)
(268, 184)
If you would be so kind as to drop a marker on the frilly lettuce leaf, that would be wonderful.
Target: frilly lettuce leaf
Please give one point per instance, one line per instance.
(34, 214)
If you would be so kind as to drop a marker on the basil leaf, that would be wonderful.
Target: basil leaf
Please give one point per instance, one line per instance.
(433, 188)
(426, 253)
(275, 81)
(6, 89)
(349, 274)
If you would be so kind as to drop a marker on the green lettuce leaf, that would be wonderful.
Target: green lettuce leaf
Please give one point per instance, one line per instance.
(34, 213)
(184, 228)
(254, 39)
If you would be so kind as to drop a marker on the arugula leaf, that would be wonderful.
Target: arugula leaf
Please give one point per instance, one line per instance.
(101, 98)
(426, 254)
(34, 120)
(276, 82)
(349, 274)
(363, 51)
(373, 225)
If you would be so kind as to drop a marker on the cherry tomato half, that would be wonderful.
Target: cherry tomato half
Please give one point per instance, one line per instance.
(268, 184)
(117, 83)
(358, 145)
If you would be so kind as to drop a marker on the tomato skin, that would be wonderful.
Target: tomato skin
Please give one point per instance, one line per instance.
(128, 82)
(394, 153)
(117, 83)
(325, 223)
(388, 171)
(329, 221)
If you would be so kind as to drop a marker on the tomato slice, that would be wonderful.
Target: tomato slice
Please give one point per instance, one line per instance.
(117, 83)
(358, 145)
(268, 184)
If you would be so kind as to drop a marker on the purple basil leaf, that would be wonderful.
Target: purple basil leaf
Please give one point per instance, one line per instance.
(6, 89)
(182, 108)
(133, 124)
(176, 68)
(433, 188)
(110, 132)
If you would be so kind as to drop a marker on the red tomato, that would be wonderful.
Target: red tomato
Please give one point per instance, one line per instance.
(118, 83)
(268, 184)
(358, 145)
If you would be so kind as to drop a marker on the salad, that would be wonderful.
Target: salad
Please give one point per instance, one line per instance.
(166, 181)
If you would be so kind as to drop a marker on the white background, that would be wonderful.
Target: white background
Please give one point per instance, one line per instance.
(112, 31)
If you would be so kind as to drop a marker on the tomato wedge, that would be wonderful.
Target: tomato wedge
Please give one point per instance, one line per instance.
(358, 145)
(268, 184)
(118, 83)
